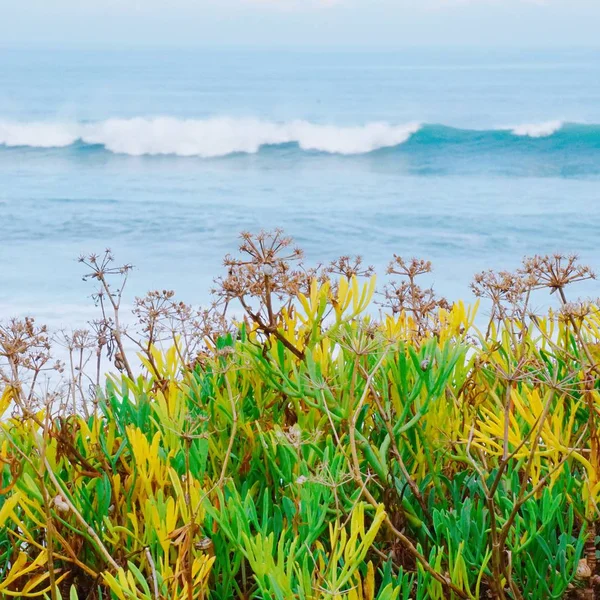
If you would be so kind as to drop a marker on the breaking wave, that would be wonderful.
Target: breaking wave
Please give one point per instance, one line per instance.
(223, 136)
(537, 130)
(205, 138)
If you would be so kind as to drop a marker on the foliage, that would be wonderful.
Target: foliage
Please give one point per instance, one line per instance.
(309, 450)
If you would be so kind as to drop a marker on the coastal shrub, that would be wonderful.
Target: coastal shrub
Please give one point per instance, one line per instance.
(306, 437)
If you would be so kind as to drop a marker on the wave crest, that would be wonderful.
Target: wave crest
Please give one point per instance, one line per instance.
(206, 138)
(224, 136)
(538, 130)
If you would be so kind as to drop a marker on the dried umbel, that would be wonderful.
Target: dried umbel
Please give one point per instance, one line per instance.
(349, 267)
(409, 297)
(108, 298)
(501, 287)
(77, 339)
(508, 292)
(156, 311)
(555, 271)
(408, 268)
(25, 354)
(23, 344)
(267, 266)
(160, 318)
(578, 310)
(205, 324)
(265, 279)
(101, 268)
(81, 345)
(164, 320)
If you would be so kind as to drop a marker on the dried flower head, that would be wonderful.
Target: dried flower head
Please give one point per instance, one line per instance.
(349, 267)
(265, 279)
(77, 340)
(265, 264)
(555, 271)
(578, 310)
(108, 298)
(502, 286)
(25, 352)
(409, 297)
(408, 268)
(101, 269)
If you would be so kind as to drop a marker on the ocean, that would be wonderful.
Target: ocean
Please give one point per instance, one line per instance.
(469, 158)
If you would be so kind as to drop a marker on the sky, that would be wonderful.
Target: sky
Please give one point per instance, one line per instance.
(302, 23)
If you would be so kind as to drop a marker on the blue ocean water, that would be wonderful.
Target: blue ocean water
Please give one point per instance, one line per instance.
(469, 158)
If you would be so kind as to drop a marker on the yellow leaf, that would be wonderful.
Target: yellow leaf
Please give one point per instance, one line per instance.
(6, 399)
(8, 507)
(369, 583)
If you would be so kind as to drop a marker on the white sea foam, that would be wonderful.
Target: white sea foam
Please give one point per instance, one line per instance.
(206, 138)
(38, 134)
(537, 130)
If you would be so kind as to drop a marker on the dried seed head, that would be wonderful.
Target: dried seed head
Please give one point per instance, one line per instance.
(409, 297)
(349, 267)
(576, 310)
(408, 268)
(555, 271)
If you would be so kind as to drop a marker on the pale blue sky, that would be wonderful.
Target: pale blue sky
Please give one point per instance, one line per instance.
(308, 23)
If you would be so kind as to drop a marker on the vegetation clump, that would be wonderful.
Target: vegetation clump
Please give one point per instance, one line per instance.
(306, 437)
